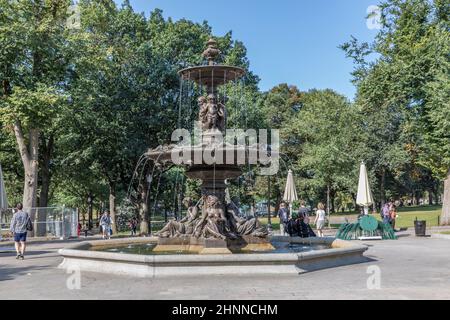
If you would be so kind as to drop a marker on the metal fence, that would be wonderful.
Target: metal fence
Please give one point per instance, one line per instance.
(59, 222)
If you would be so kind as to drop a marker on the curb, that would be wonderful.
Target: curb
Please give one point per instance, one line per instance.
(440, 236)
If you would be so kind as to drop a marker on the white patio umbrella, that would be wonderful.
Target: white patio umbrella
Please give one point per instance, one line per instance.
(364, 197)
(3, 199)
(290, 193)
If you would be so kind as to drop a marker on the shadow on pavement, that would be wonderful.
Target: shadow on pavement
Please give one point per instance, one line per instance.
(10, 273)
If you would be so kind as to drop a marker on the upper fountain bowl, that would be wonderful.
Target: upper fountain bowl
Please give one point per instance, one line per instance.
(212, 75)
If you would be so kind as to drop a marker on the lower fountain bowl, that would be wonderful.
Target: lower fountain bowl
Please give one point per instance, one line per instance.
(85, 256)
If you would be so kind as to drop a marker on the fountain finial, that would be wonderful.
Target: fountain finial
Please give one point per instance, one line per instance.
(211, 52)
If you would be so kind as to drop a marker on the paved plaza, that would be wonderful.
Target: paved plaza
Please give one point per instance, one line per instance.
(411, 268)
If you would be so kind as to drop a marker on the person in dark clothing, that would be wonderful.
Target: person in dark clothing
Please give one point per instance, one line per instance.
(133, 226)
(304, 212)
(284, 216)
(296, 227)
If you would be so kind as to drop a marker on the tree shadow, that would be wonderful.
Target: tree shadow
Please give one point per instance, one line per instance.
(11, 273)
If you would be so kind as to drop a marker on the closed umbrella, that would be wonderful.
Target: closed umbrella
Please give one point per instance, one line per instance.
(364, 197)
(290, 193)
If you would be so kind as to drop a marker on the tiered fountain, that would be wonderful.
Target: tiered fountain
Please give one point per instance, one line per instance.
(215, 227)
(212, 239)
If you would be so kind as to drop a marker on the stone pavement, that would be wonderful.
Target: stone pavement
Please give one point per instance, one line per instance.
(411, 268)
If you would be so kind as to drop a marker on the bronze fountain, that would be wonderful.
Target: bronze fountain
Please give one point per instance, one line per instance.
(212, 225)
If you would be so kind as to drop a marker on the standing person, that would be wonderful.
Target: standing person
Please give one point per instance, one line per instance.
(393, 215)
(304, 212)
(86, 229)
(133, 225)
(320, 219)
(79, 227)
(283, 214)
(105, 223)
(20, 224)
(385, 213)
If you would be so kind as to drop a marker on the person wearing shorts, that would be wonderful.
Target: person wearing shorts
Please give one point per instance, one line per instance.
(19, 227)
(105, 223)
(320, 219)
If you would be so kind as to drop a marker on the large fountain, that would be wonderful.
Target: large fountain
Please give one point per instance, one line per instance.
(213, 225)
(213, 238)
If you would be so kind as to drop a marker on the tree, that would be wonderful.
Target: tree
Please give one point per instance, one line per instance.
(331, 136)
(32, 70)
(409, 81)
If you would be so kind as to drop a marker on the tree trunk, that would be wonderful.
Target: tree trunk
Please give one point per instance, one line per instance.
(382, 188)
(414, 199)
(333, 202)
(328, 205)
(29, 155)
(355, 205)
(112, 206)
(45, 171)
(278, 201)
(45, 185)
(445, 216)
(430, 197)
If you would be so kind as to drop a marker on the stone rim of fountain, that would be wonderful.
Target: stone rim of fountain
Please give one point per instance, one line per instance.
(340, 253)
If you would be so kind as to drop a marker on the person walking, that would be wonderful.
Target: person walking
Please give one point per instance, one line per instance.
(304, 212)
(133, 226)
(86, 230)
(283, 214)
(385, 213)
(319, 221)
(105, 223)
(20, 225)
(393, 215)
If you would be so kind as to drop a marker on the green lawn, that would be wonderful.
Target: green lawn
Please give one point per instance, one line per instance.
(406, 217)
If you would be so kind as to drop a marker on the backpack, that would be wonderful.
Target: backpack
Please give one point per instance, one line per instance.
(29, 224)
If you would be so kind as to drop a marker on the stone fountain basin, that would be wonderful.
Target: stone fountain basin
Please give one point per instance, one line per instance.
(80, 257)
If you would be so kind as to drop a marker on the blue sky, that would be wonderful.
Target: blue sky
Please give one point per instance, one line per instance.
(288, 41)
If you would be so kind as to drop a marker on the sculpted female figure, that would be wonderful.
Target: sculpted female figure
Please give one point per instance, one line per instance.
(244, 227)
(183, 227)
(212, 223)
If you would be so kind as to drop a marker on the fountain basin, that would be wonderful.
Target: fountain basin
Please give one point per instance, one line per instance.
(84, 257)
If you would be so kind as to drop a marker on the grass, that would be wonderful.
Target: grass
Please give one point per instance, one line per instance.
(407, 216)
(445, 232)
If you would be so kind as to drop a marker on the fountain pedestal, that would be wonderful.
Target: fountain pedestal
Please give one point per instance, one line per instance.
(212, 246)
